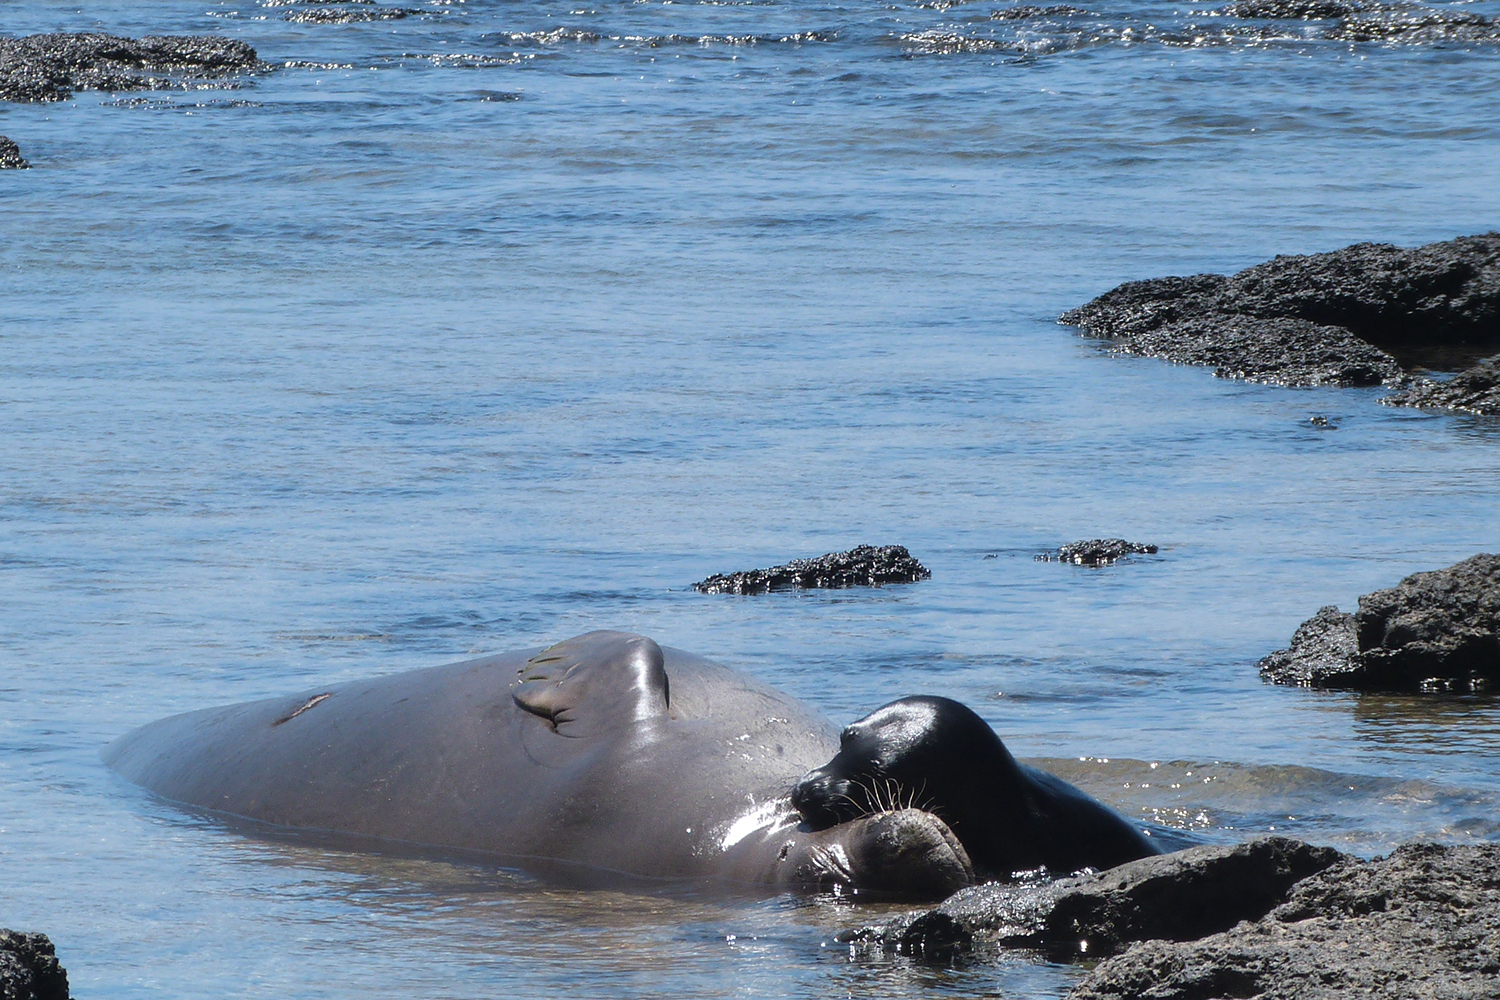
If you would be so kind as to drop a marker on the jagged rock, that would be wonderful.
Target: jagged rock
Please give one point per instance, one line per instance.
(863, 566)
(350, 15)
(51, 67)
(1434, 631)
(1096, 552)
(1178, 896)
(1326, 319)
(1413, 24)
(1294, 10)
(10, 155)
(1027, 12)
(1422, 923)
(1474, 390)
(29, 969)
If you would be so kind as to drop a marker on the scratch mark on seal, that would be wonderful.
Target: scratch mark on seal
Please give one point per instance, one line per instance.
(311, 702)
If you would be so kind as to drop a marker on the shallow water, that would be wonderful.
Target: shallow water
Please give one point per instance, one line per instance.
(456, 333)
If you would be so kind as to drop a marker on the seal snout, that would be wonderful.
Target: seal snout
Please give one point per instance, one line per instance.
(818, 795)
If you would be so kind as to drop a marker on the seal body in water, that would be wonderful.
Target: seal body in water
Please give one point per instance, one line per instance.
(937, 755)
(605, 750)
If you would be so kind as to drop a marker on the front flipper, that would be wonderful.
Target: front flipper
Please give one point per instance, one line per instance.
(594, 683)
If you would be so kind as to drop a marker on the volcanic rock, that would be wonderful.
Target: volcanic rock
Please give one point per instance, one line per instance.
(1340, 318)
(1421, 923)
(1434, 631)
(862, 566)
(10, 155)
(29, 969)
(1096, 552)
(1179, 896)
(1474, 390)
(51, 67)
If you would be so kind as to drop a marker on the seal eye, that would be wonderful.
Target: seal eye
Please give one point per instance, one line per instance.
(847, 736)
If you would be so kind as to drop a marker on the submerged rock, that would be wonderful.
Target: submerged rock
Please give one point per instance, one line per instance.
(350, 14)
(1179, 896)
(863, 566)
(1413, 24)
(1340, 318)
(10, 155)
(1096, 552)
(51, 67)
(1434, 631)
(29, 969)
(1474, 390)
(1423, 922)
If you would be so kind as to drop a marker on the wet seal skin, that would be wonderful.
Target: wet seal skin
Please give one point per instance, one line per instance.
(605, 752)
(937, 755)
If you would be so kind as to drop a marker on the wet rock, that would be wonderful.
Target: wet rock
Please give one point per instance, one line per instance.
(1096, 552)
(1474, 390)
(1434, 631)
(1424, 922)
(350, 14)
(1414, 24)
(1351, 317)
(51, 67)
(29, 969)
(10, 155)
(1179, 896)
(863, 566)
(1026, 13)
(1294, 10)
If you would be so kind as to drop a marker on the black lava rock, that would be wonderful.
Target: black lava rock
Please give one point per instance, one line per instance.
(1340, 318)
(29, 969)
(1180, 896)
(863, 566)
(350, 15)
(1096, 552)
(51, 67)
(1421, 923)
(1474, 390)
(1294, 10)
(1435, 631)
(10, 155)
(1413, 24)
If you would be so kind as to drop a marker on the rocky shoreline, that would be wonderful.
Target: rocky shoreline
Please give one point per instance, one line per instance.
(1273, 918)
(52, 67)
(1369, 314)
(29, 969)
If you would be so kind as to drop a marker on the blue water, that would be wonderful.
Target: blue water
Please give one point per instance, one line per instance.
(446, 335)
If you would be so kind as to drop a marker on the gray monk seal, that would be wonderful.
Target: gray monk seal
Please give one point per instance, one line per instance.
(605, 751)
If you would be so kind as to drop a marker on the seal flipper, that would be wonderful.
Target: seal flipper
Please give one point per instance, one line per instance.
(594, 683)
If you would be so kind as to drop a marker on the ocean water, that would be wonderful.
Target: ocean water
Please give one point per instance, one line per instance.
(509, 319)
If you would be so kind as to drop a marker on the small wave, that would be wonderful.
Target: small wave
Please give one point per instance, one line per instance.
(662, 41)
(948, 42)
(467, 60)
(552, 37)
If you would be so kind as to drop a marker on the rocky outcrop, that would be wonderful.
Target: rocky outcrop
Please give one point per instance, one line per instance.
(29, 969)
(1096, 552)
(51, 67)
(1434, 631)
(350, 14)
(1372, 21)
(863, 566)
(10, 155)
(1474, 390)
(1178, 897)
(1421, 923)
(1340, 318)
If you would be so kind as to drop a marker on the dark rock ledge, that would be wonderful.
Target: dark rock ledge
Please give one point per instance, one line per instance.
(1374, 21)
(29, 969)
(1273, 919)
(1432, 632)
(1340, 319)
(1097, 552)
(862, 566)
(51, 67)
(10, 155)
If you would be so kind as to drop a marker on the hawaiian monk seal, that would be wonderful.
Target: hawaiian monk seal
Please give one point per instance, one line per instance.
(936, 755)
(605, 750)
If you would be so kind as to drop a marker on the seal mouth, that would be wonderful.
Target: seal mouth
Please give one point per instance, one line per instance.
(824, 800)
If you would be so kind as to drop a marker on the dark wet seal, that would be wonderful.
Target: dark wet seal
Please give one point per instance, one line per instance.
(1474, 390)
(10, 155)
(1352, 317)
(1421, 922)
(1433, 632)
(312, 702)
(1096, 552)
(862, 566)
(29, 969)
(51, 67)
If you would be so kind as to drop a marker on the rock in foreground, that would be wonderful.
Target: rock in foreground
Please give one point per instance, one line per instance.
(863, 566)
(1434, 631)
(1339, 318)
(1474, 390)
(1179, 896)
(10, 155)
(51, 67)
(29, 969)
(1422, 923)
(1097, 552)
